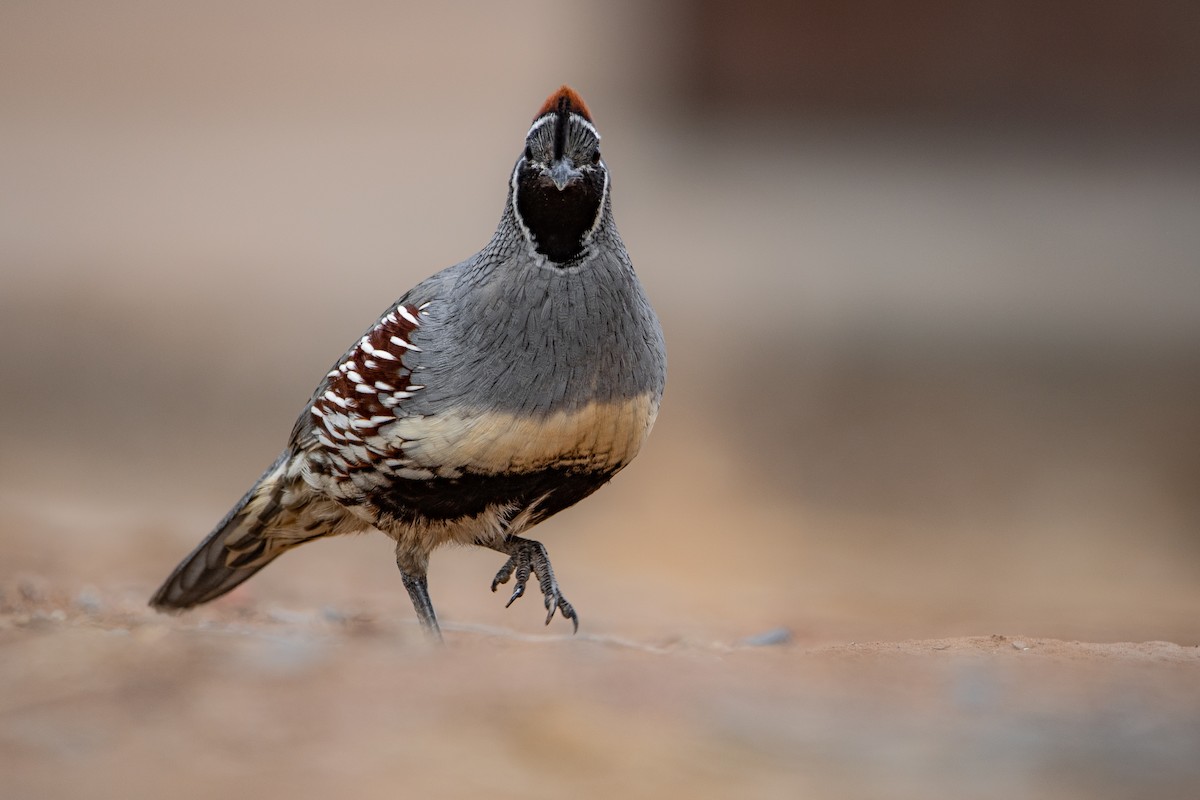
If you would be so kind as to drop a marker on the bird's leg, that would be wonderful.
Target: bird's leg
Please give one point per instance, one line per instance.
(417, 585)
(526, 557)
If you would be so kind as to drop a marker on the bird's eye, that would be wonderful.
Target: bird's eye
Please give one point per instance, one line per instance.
(528, 153)
(596, 157)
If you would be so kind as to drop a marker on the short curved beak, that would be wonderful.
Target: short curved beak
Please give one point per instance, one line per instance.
(563, 173)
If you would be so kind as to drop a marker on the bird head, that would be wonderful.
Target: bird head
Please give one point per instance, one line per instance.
(560, 183)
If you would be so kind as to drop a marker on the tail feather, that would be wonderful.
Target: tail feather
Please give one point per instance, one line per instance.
(235, 550)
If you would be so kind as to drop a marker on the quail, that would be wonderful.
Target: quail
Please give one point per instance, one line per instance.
(491, 396)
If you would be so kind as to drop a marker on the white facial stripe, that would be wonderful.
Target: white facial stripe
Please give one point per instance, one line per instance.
(516, 209)
(587, 125)
(587, 237)
(539, 122)
(546, 118)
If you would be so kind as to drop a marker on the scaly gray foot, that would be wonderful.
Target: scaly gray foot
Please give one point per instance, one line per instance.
(527, 557)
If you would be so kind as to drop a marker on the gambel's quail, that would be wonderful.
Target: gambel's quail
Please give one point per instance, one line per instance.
(493, 395)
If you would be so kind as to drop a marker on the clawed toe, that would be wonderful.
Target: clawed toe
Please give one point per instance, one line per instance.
(527, 558)
(505, 573)
(503, 576)
(559, 603)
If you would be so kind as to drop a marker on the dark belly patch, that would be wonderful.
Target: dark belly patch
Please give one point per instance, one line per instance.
(443, 499)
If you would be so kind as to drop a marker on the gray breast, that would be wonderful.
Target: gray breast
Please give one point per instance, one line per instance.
(523, 337)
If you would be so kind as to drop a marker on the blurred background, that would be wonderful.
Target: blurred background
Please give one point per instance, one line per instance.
(929, 274)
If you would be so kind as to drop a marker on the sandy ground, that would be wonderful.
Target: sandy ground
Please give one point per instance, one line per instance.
(108, 700)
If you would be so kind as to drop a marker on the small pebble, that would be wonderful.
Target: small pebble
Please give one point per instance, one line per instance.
(88, 599)
(331, 614)
(773, 637)
(1019, 645)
